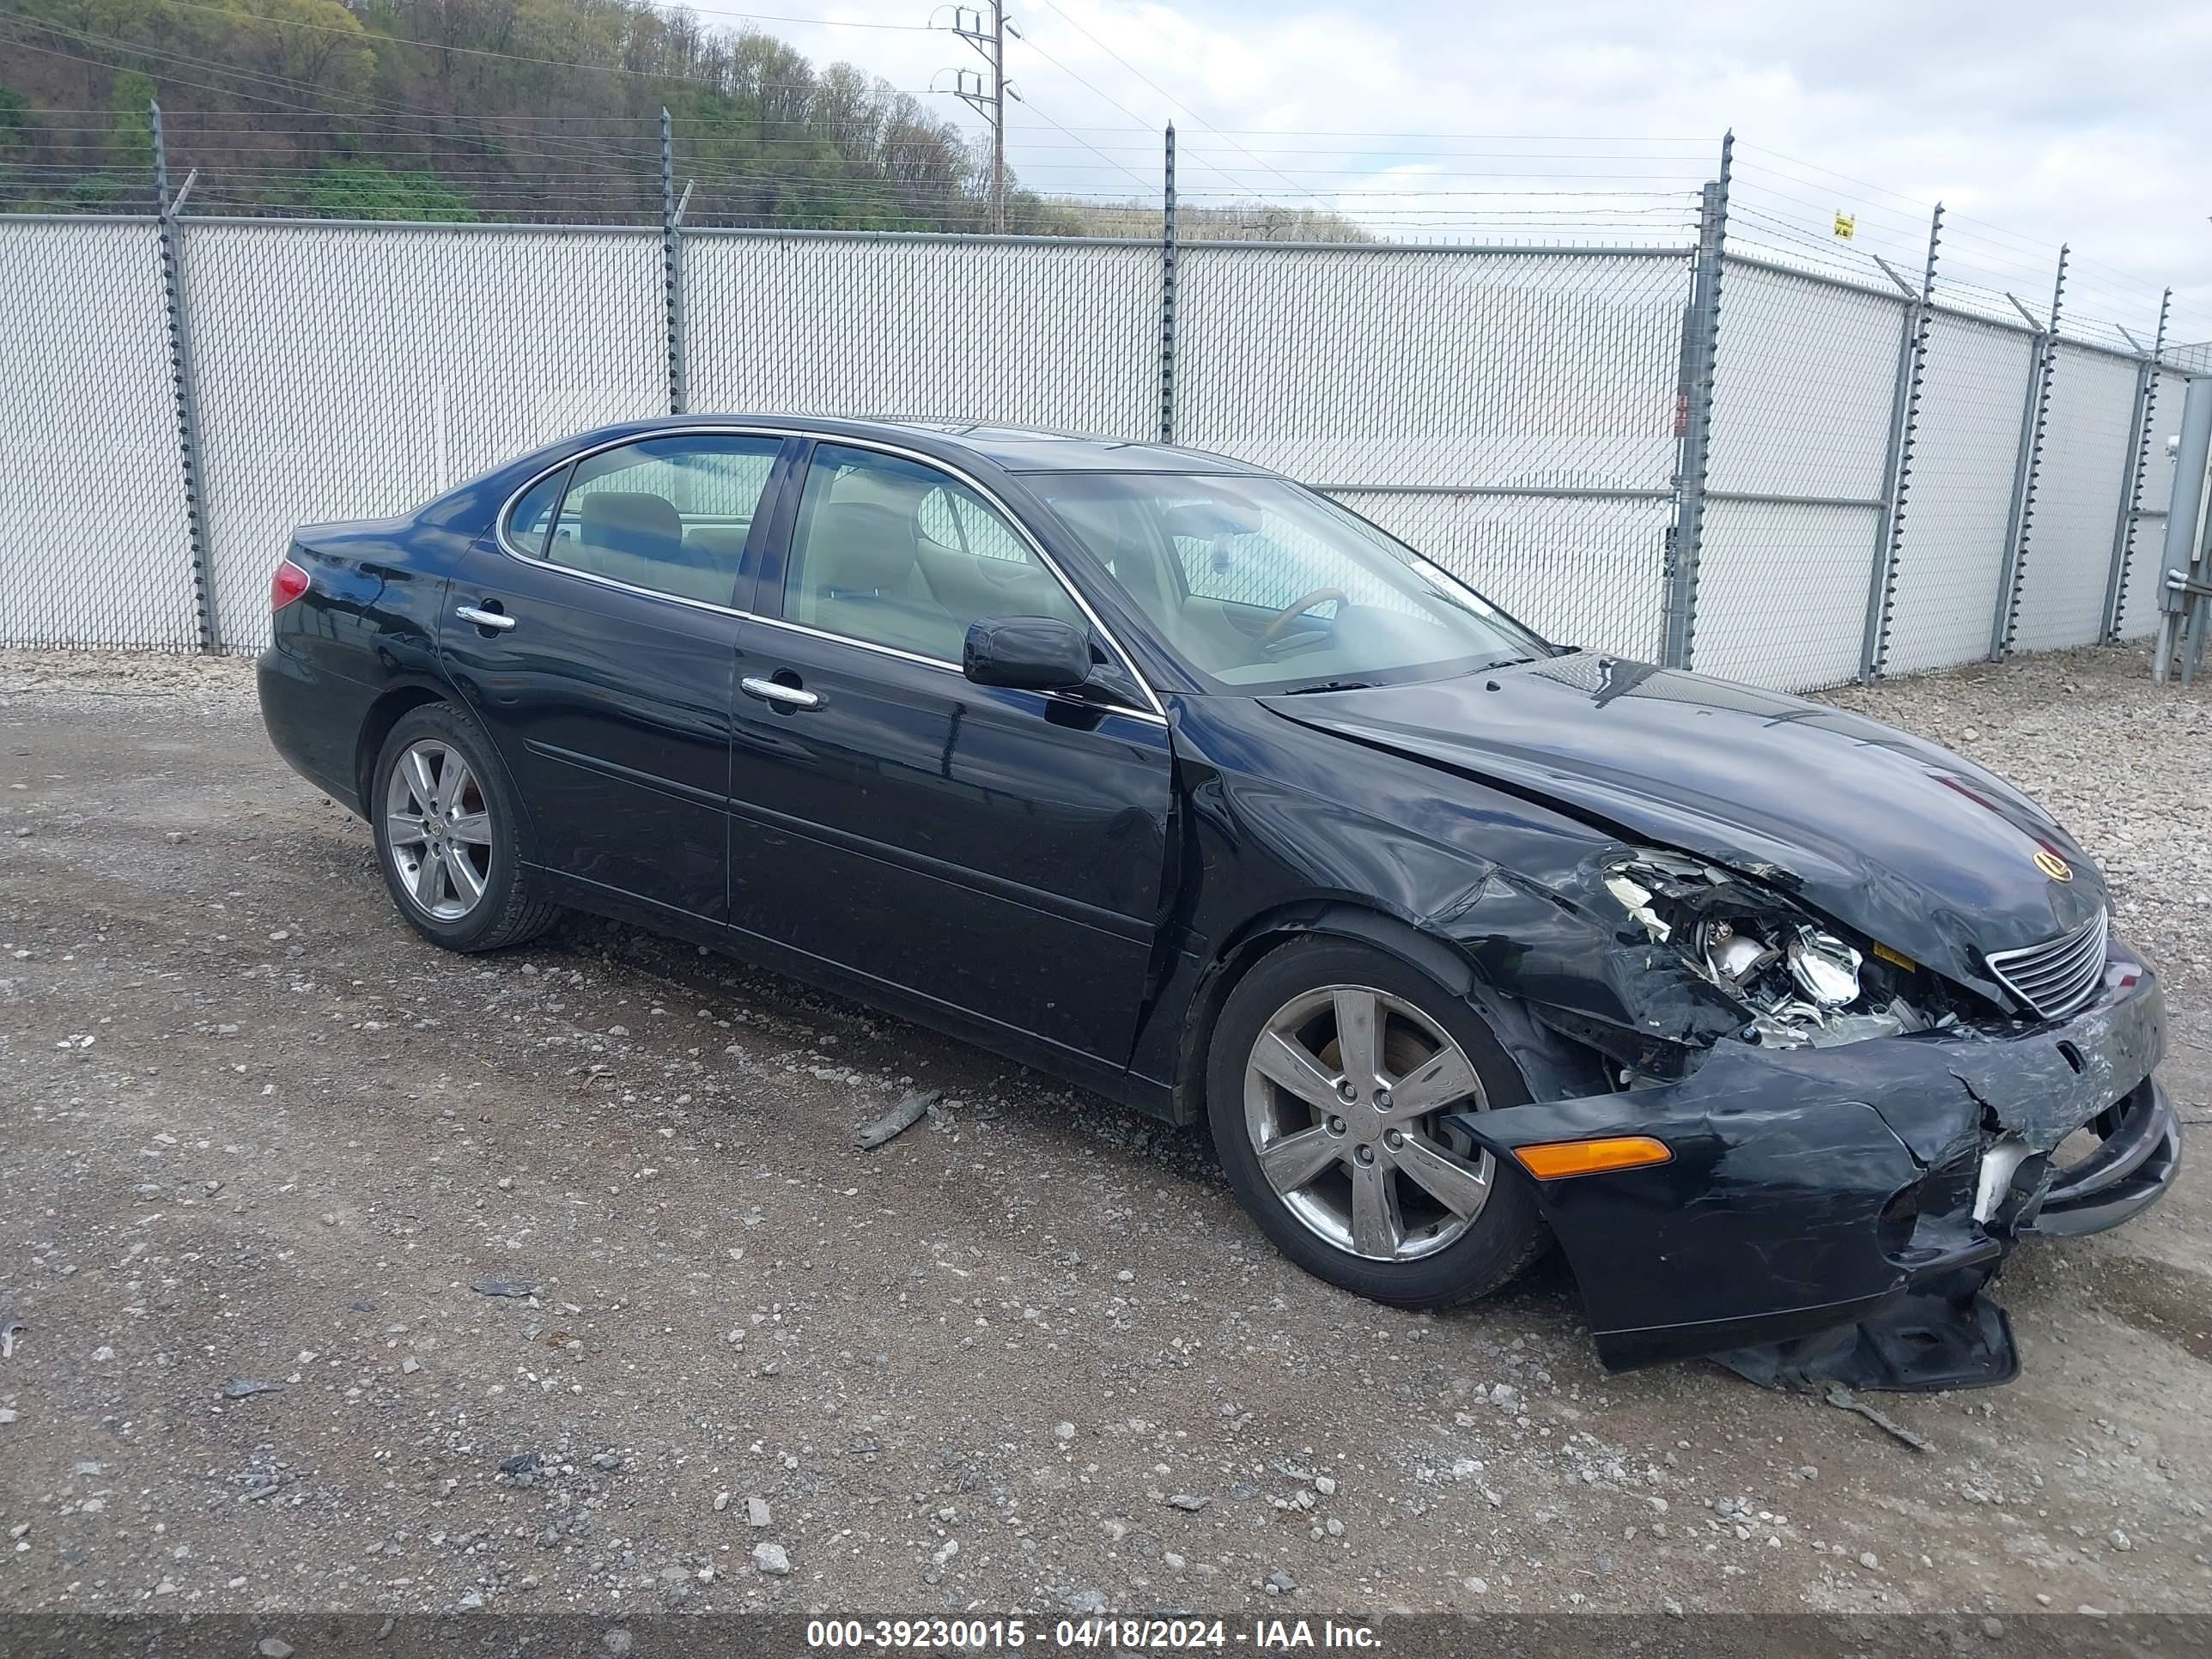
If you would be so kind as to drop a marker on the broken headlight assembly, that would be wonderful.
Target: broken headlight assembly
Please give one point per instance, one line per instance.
(1800, 983)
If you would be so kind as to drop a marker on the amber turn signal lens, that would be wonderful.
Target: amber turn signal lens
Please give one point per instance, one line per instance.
(1554, 1159)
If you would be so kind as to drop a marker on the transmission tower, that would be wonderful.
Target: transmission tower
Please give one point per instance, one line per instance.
(986, 30)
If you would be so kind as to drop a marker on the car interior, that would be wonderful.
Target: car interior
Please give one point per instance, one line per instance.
(903, 558)
(653, 516)
(637, 537)
(1251, 590)
(895, 553)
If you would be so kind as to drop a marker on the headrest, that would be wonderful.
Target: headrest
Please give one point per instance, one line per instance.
(631, 522)
(858, 548)
(881, 487)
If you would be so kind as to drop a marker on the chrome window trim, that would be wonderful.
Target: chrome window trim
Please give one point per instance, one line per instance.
(538, 559)
(1156, 712)
(953, 668)
(622, 587)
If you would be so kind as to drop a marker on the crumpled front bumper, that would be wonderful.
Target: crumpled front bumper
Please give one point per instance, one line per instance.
(1810, 1188)
(2138, 1156)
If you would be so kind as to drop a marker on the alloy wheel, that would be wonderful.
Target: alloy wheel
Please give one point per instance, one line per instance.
(437, 830)
(1343, 1091)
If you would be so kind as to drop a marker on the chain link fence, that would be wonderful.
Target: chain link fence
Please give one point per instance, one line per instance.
(2093, 400)
(1958, 519)
(2137, 598)
(1050, 331)
(346, 373)
(1795, 501)
(1509, 413)
(1763, 470)
(96, 549)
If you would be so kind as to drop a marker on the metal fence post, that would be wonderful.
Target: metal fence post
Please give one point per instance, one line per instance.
(1168, 292)
(671, 266)
(2035, 416)
(170, 234)
(1694, 398)
(2180, 611)
(2123, 531)
(1897, 473)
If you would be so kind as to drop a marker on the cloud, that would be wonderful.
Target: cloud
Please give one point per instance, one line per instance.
(2034, 122)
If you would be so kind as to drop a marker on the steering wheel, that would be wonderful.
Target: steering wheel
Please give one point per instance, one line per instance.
(1281, 624)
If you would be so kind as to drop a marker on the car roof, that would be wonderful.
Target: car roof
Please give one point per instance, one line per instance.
(1010, 448)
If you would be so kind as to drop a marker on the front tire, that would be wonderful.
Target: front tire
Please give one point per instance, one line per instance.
(448, 835)
(1328, 1073)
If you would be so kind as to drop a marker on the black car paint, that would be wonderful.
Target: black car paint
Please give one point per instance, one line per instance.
(1075, 886)
(1002, 851)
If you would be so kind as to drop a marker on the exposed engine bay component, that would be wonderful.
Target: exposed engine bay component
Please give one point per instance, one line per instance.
(1735, 957)
(1796, 1024)
(1825, 968)
(1800, 984)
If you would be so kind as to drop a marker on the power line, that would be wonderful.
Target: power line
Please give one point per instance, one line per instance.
(1154, 84)
(816, 22)
(367, 39)
(1141, 183)
(370, 107)
(1101, 94)
(288, 84)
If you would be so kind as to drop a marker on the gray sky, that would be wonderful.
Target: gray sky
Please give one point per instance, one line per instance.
(2034, 122)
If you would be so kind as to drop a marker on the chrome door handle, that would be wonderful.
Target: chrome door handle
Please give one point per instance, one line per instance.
(789, 695)
(484, 618)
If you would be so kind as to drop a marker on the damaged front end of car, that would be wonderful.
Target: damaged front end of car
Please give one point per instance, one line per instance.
(1855, 1142)
(1798, 982)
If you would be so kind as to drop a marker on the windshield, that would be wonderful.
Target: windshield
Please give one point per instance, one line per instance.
(1258, 586)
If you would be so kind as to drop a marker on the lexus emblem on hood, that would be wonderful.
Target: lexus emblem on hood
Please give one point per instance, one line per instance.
(2053, 865)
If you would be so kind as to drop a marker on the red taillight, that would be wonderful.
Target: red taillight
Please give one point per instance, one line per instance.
(287, 584)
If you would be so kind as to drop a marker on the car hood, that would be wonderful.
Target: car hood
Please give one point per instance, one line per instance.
(1911, 845)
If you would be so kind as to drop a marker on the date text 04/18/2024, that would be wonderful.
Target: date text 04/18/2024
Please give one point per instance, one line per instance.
(1263, 1635)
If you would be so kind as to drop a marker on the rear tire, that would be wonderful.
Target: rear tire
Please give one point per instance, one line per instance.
(1329, 1070)
(448, 835)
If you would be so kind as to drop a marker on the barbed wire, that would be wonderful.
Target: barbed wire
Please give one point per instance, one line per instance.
(1376, 184)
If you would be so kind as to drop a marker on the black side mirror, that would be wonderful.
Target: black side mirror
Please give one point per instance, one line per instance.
(1029, 653)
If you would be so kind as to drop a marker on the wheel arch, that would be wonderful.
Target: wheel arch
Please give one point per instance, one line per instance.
(394, 705)
(389, 707)
(1551, 1065)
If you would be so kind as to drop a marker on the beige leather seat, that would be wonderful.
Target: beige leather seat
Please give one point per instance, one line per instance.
(859, 578)
(972, 585)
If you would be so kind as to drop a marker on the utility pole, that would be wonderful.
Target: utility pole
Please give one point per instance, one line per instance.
(987, 31)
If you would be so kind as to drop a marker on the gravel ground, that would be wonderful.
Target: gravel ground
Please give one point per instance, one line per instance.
(356, 1275)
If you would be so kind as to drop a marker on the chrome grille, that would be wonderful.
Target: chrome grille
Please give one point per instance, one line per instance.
(2058, 976)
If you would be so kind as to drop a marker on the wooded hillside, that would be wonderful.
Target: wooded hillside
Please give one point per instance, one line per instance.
(465, 109)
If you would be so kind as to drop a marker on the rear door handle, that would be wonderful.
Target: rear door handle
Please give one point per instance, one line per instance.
(484, 618)
(774, 691)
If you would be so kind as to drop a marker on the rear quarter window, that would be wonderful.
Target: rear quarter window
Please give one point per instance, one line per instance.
(529, 521)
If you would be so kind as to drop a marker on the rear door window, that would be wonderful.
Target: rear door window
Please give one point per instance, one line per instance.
(670, 515)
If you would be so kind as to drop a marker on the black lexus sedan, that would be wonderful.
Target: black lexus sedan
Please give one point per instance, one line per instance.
(1168, 776)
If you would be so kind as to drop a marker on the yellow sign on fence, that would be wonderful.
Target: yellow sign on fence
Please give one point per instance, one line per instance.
(1846, 224)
